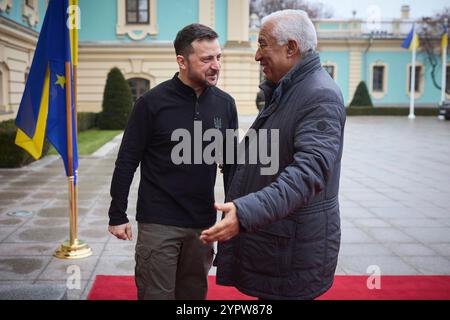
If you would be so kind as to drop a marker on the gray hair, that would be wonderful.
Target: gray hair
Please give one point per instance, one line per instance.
(293, 25)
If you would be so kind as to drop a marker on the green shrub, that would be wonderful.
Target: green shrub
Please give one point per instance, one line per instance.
(117, 102)
(390, 111)
(11, 155)
(361, 97)
(86, 120)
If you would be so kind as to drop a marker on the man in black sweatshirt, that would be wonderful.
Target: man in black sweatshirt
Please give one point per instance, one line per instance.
(175, 197)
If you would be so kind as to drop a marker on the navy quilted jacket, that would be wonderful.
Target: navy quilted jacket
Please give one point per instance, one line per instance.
(290, 226)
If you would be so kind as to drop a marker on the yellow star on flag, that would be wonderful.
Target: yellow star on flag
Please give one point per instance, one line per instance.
(61, 81)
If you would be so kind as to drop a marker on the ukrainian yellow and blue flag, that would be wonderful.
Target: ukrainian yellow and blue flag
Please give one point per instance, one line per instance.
(411, 41)
(444, 39)
(42, 112)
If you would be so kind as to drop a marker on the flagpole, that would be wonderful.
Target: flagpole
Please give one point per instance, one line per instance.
(74, 248)
(444, 67)
(413, 77)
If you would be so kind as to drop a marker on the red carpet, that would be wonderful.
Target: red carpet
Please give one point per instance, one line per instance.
(344, 288)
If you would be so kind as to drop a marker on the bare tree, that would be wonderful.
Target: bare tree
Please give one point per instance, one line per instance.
(430, 33)
(264, 7)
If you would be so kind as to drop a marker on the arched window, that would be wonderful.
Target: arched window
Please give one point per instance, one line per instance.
(138, 87)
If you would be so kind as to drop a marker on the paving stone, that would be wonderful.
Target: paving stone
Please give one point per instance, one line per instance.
(429, 235)
(410, 249)
(365, 249)
(389, 265)
(442, 248)
(355, 235)
(429, 265)
(5, 232)
(27, 249)
(34, 234)
(369, 222)
(414, 222)
(22, 268)
(40, 291)
(61, 269)
(115, 266)
(389, 235)
(120, 249)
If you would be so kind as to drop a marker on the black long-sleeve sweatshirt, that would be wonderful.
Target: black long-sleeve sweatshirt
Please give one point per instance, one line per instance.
(179, 195)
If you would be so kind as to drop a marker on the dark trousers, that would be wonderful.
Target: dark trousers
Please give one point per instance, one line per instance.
(171, 263)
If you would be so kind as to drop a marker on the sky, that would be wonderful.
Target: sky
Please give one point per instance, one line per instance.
(388, 9)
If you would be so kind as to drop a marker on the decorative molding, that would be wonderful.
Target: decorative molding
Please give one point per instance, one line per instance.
(136, 31)
(31, 14)
(141, 75)
(5, 5)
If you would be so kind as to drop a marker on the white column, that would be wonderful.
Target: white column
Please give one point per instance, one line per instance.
(412, 91)
(238, 22)
(444, 69)
(206, 13)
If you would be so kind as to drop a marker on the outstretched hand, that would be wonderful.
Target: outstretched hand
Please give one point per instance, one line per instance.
(224, 230)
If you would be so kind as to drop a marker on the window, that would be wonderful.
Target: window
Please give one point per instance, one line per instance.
(138, 87)
(2, 105)
(378, 79)
(417, 80)
(330, 69)
(136, 19)
(137, 11)
(447, 81)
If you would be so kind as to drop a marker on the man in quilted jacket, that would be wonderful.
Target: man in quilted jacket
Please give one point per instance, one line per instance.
(280, 233)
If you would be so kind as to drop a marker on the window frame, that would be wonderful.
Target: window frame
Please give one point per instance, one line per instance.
(383, 92)
(419, 77)
(139, 79)
(137, 11)
(136, 31)
(335, 67)
(447, 82)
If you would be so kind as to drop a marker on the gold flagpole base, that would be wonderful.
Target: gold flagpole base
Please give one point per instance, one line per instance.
(78, 250)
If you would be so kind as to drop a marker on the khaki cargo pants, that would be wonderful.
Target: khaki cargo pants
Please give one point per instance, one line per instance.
(171, 263)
